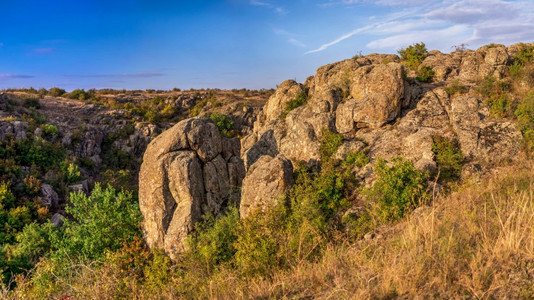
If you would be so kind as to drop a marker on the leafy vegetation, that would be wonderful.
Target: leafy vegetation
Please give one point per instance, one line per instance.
(330, 142)
(299, 100)
(413, 55)
(497, 93)
(525, 119)
(398, 190)
(224, 123)
(425, 74)
(449, 158)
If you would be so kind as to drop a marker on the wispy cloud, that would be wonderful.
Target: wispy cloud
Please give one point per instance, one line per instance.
(123, 75)
(40, 51)
(280, 10)
(340, 39)
(14, 76)
(1, 44)
(445, 23)
(291, 37)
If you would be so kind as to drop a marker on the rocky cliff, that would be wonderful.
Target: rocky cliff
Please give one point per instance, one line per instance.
(374, 102)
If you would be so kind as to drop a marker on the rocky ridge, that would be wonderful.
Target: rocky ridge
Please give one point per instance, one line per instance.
(373, 101)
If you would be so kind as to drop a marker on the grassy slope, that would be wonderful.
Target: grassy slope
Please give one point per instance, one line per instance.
(476, 243)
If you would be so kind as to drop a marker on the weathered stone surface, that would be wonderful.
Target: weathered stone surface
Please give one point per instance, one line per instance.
(266, 184)
(187, 171)
(57, 219)
(369, 99)
(49, 197)
(205, 139)
(286, 92)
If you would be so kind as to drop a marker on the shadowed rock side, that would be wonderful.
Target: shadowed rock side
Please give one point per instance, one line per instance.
(187, 171)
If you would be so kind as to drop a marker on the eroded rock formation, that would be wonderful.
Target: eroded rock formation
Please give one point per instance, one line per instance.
(187, 171)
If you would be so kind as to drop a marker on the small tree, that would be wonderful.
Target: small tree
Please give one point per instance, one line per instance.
(414, 55)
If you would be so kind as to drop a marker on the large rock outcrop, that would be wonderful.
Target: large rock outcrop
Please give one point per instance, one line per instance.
(187, 171)
(377, 103)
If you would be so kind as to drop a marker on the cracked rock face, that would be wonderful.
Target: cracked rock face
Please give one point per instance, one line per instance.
(187, 171)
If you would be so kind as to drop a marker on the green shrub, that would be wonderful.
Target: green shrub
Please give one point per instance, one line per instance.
(525, 55)
(214, 239)
(525, 118)
(78, 94)
(49, 129)
(260, 238)
(398, 190)
(40, 152)
(414, 55)
(70, 172)
(359, 159)
(56, 92)
(449, 158)
(100, 222)
(455, 87)
(299, 100)
(224, 123)
(500, 105)
(330, 142)
(425, 74)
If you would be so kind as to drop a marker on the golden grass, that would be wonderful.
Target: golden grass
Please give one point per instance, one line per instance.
(477, 243)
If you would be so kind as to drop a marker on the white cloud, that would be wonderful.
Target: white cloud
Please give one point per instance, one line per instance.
(441, 24)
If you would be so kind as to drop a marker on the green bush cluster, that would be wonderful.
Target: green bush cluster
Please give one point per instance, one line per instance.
(449, 158)
(413, 55)
(525, 119)
(49, 129)
(425, 74)
(330, 142)
(224, 123)
(98, 223)
(56, 92)
(298, 101)
(399, 189)
(497, 94)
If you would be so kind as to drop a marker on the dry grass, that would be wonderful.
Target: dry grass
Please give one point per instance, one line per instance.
(477, 243)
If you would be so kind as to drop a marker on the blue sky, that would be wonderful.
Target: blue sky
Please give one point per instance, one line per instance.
(162, 44)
